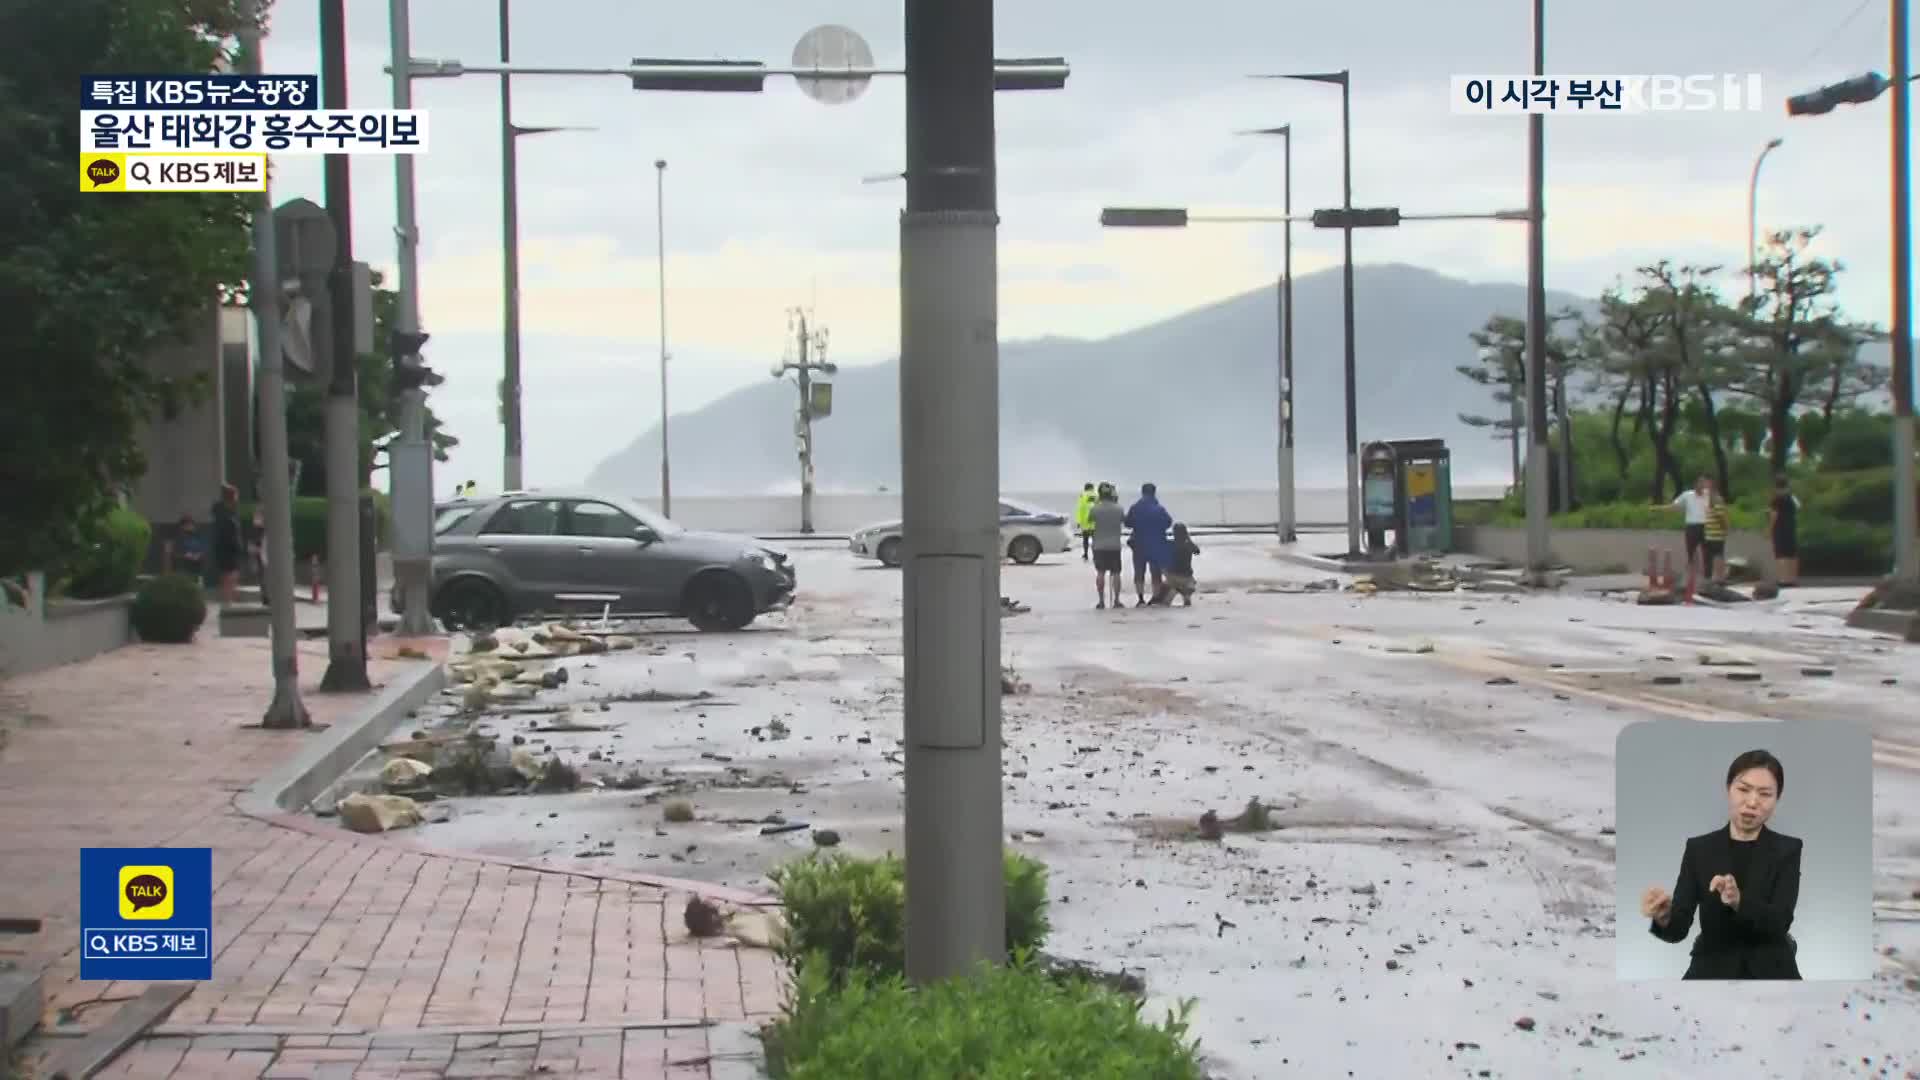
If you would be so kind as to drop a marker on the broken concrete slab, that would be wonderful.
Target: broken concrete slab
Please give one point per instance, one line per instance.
(378, 813)
(21, 1001)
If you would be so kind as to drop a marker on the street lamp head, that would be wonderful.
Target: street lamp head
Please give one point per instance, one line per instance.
(1338, 78)
(1774, 143)
(1156, 217)
(1283, 129)
(660, 164)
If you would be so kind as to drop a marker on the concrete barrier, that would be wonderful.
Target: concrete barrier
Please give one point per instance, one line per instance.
(47, 633)
(1607, 550)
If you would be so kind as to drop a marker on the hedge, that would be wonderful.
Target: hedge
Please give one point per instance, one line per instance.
(310, 524)
(114, 550)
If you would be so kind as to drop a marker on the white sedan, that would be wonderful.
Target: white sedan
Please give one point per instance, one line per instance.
(1026, 533)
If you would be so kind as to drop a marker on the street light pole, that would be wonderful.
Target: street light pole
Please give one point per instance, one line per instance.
(513, 475)
(660, 230)
(950, 468)
(412, 575)
(1906, 562)
(286, 710)
(1537, 481)
(1753, 218)
(346, 615)
(1285, 527)
(1343, 79)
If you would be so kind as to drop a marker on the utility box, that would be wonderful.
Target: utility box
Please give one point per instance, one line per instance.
(1424, 482)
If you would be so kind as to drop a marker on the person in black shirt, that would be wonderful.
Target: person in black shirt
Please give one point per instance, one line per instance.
(1180, 572)
(229, 546)
(1742, 878)
(1784, 519)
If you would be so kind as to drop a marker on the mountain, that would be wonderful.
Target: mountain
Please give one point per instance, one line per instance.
(1189, 402)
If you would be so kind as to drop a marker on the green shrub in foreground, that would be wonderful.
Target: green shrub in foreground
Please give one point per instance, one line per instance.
(115, 549)
(852, 911)
(169, 610)
(1014, 1023)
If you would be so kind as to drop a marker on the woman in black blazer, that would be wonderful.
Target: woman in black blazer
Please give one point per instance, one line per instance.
(1744, 879)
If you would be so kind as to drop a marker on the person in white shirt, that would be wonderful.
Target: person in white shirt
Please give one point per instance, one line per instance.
(1695, 504)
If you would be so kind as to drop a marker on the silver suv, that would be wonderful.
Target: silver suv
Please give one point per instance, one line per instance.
(531, 553)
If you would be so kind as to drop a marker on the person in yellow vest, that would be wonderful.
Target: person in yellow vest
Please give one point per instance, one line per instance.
(1083, 520)
(1714, 547)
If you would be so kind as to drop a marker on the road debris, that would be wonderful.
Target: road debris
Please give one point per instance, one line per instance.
(365, 813)
(703, 919)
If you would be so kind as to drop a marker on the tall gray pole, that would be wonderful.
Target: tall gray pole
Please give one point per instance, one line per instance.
(1753, 218)
(1906, 562)
(660, 232)
(805, 377)
(412, 575)
(346, 622)
(950, 468)
(1288, 514)
(1346, 277)
(286, 710)
(1536, 383)
(513, 477)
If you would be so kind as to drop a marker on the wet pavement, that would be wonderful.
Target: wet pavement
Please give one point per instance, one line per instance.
(1436, 894)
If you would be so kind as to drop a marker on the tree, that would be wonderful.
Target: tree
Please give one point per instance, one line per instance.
(93, 284)
(1613, 348)
(1502, 369)
(1697, 340)
(379, 408)
(1793, 341)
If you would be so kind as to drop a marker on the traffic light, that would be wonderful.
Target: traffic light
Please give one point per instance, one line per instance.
(1855, 91)
(1372, 217)
(410, 370)
(751, 79)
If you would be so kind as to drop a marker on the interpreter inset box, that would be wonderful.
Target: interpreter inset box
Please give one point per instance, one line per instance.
(1744, 850)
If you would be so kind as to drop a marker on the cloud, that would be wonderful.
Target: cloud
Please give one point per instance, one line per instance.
(765, 207)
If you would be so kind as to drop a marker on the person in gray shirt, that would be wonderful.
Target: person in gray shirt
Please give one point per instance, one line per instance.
(1109, 527)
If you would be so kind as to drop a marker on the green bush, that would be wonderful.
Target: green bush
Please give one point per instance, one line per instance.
(1833, 547)
(115, 549)
(168, 610)
(1010, 1023)
(1857, 442)
(1632, 515)
(310, 524)
(851, 912)
(1865, 497)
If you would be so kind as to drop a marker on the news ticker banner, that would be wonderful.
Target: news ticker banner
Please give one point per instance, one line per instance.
(1601, 95)
(146, 914)
(159, 133)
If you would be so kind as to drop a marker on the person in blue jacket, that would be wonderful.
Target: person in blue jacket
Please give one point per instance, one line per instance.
(1149, 523)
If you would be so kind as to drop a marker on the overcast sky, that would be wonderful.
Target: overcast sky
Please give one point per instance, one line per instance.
(766, 209)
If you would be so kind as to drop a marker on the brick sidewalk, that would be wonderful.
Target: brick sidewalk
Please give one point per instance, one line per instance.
(420, 957)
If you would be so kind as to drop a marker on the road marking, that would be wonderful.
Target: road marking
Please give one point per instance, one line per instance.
(1886, 752)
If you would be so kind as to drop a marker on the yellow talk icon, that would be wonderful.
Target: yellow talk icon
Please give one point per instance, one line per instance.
(103, 172)
(146, 892)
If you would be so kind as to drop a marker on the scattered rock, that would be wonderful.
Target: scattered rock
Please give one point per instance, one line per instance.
(1817, 672)
(677, 811)
(703, 919)
(1666, 680)
(1393, 965)
(1525, 1023)
(378, 813)
(403, 771)
(1743, 676)
(1499, 680)
(826, 838)
(482, 643)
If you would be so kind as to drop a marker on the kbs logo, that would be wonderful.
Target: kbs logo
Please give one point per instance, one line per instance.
(1690, 93)
(173, 92)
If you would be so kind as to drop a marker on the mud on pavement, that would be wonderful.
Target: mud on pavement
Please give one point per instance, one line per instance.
(1369, 832)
